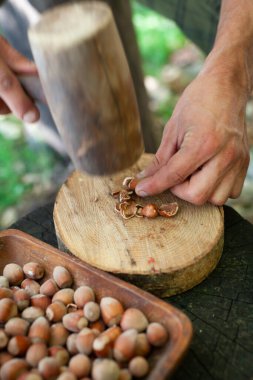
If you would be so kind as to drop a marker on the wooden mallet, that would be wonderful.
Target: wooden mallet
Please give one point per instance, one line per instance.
(88, 86)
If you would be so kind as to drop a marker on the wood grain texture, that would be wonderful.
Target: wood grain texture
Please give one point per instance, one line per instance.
(18, 247)
(163, 255)
(88, 86)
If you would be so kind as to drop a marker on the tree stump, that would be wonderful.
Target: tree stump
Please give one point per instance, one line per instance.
(165, 256)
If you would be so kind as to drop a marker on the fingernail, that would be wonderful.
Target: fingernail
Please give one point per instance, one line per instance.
(141, 174)
(141, 193)
(30, 117)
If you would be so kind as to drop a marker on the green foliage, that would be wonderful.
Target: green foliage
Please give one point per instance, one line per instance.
(157, 37)
(17, 159)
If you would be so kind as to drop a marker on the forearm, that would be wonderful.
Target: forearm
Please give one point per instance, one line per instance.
(232, 54)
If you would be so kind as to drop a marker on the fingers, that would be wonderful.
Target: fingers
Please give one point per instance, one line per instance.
(13, 95)
(166, 149)
(180, 166)
(4, 110)
(16, 61)
(206, 185)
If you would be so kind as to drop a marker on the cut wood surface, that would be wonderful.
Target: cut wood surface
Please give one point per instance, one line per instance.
(163, 255)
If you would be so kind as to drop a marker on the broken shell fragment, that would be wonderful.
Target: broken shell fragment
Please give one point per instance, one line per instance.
(130, 183)
(168, 210)
(125, 195)
(128, 209)
(115, 193)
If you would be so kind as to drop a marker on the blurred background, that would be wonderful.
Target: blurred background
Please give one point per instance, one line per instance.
(33, 165)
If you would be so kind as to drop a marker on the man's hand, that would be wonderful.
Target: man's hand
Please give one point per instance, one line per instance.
(12, 96)
(204, 153)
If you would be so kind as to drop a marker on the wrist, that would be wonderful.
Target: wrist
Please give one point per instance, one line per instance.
(232, 67)
(232, 55)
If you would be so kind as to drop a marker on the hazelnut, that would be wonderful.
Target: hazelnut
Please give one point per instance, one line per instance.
(71, 344)
(105, 369)
(111, 310)
(39, 330)
(18, 345)
(103, 344)
(58, 335)
(8, 309)
(49, 288)
(80, 365)
(5, 357)
(91, 311)
(72, 307)
(14, 273)
(60, 354)
(31, 313)
(16, 326)
(31, 286)
(124, 346)
(5, 293)
(125, 374)
(64, 295)
(156, 334)
(149, 210)
(133, 183)
(3, 339)
(13, 368)
(49, 368)
(138, 366)
(32, 270)
(82, 295)
(30, 376)
(142, 345)
(98, 326)
(130, 183)
(40, 300)
(35, 353)
(134, 319)
(62, 277)
(22, 299)
(4, 282)
(56, 311)
(84, 341)
(67, 376)
(74, 321)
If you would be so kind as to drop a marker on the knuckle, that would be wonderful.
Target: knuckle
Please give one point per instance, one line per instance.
(211, 143)
(236, 193)
(196, 197)
(6, 82)
(218, 200)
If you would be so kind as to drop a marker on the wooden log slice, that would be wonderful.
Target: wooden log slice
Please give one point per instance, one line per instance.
(165, 256)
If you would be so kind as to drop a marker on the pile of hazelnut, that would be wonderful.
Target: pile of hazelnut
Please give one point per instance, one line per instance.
(51, 331)
(128, 208)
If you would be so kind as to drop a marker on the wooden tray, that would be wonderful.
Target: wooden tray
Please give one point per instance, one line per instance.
(18, 247)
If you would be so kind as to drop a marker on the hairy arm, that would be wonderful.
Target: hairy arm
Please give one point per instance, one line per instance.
(204, 153)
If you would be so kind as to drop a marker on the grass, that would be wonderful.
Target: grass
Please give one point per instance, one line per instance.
(20, 163)
(157, 37)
